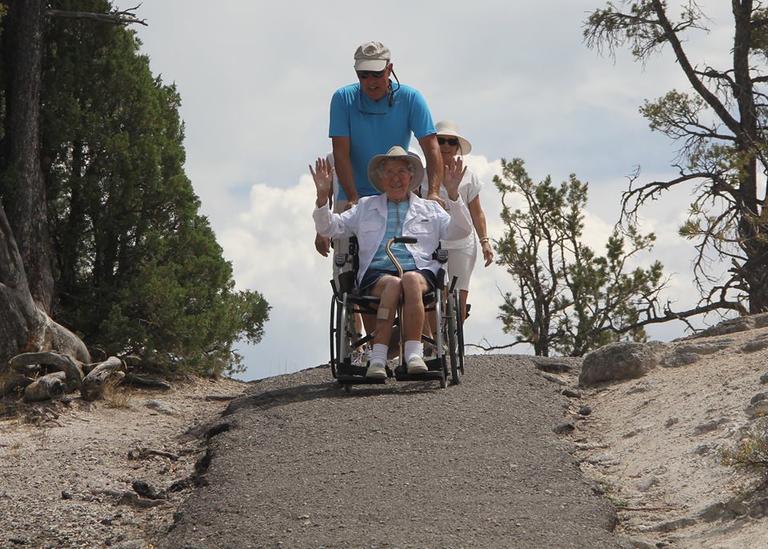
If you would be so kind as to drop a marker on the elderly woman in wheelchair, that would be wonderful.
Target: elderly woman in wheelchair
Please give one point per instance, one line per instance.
(397, 233)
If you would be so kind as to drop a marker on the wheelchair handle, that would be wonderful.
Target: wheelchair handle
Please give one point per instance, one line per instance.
(405, 240)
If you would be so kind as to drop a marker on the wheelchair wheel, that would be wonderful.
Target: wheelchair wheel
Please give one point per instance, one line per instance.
(452, 329)
(333, 329)
(344, 323)
(459, 334)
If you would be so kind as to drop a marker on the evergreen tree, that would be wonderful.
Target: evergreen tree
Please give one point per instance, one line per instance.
(137, 268)
(569, 300)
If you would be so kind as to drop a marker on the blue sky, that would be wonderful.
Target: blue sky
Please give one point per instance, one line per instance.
(256, 79)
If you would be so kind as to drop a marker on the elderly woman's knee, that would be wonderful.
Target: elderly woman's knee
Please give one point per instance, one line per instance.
(414, 283)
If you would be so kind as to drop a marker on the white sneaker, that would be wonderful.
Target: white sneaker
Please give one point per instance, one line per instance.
(376, 370)
(416, 365)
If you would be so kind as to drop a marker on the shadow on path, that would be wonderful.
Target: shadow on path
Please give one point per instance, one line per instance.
(329, 389)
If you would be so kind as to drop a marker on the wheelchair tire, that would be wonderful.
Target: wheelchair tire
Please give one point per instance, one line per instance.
(452, 329)
(343, 344)
(333, 330)
(459, 334)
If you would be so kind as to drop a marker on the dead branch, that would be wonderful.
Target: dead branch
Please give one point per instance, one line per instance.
(46, 387)
(124, 17)
(93, 384)
(74, 375)
(496, 347)
(12, 382)
(144, 453)
(146, 382)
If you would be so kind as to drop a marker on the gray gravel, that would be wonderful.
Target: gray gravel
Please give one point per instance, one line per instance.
(305, 464)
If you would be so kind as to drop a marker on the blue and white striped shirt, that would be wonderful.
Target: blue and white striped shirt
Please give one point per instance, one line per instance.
(395, 216)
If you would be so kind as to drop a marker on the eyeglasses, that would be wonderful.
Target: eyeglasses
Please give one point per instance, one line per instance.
(401, 173)
(452, 141)
(364, 75)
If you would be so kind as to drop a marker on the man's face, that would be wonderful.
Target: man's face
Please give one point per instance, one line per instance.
(375, 83)
(395, 178)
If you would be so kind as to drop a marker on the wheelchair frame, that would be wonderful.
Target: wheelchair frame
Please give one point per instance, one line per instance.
(447, 341)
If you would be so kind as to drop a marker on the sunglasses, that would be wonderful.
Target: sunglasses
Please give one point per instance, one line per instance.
(452, 141)
(364, 75)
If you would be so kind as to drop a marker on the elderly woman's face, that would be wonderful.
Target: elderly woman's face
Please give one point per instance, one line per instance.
(395, 177)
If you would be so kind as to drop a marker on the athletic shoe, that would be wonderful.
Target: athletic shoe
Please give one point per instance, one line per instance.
(376, 370)
(416, 365)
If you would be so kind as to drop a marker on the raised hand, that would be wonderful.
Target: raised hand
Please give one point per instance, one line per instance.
(453, 173)
(322, 174)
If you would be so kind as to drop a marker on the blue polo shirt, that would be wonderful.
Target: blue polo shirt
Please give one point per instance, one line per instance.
(374, 126)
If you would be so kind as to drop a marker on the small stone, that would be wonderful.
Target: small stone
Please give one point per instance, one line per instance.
(758, 409)
(585, 410)
(671, 421)
(764, 378)
(564, 428)
(709, 426)
(647, 483)
(758, 397)
(570, 393)
(66, 495)
(161, 407)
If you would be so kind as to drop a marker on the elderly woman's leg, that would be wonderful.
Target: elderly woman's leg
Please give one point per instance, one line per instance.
(388, 290)
(414, 285)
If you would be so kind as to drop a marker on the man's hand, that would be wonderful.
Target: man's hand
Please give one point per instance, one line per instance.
(323, 177)
(322, 245)
(453, 173)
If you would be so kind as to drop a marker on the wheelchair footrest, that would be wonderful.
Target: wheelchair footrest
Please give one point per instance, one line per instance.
(401, 373)
(359, 380)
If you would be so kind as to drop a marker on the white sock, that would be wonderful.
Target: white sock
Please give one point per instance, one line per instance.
(379, 353)
(413, 348)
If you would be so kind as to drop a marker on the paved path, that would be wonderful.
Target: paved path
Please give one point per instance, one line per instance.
(401, 465)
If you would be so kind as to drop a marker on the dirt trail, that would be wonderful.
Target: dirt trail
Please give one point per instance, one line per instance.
(304, 464)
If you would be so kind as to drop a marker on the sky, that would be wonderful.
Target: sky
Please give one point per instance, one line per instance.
(256, 79)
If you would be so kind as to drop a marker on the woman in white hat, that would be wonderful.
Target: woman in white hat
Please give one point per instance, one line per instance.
(462, 253)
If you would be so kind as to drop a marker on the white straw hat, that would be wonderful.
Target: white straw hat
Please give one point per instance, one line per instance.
(399, 153)
(449, 128)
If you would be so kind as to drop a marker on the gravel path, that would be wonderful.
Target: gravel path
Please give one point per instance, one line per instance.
(305, 464)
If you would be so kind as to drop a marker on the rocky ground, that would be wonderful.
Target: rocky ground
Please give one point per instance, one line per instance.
(72, 471)
(670, 448)
(660, 457)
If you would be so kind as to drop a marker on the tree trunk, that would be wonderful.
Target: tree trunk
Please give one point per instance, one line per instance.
(23, 189)
(24, 326)
(46, 387)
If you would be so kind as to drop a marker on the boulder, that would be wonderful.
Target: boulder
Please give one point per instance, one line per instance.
(617, 361)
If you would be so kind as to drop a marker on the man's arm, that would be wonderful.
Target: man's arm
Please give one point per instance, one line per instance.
(343, 165)
(431, 151)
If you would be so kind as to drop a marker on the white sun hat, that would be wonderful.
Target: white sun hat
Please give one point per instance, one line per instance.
(450, 129)
(396, 152)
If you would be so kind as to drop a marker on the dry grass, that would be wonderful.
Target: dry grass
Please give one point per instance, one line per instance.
(116, 396)
(751, 451)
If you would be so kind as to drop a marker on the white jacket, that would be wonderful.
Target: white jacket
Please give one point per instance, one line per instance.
(426, 220)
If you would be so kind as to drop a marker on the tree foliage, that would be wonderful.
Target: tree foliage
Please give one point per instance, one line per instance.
(137, 267)
(719, 124)
(569, 299)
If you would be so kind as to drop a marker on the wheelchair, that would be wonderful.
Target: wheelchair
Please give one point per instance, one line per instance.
(444, 347)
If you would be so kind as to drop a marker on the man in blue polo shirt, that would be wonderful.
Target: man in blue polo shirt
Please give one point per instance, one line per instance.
(373, 115)
(370, 117)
